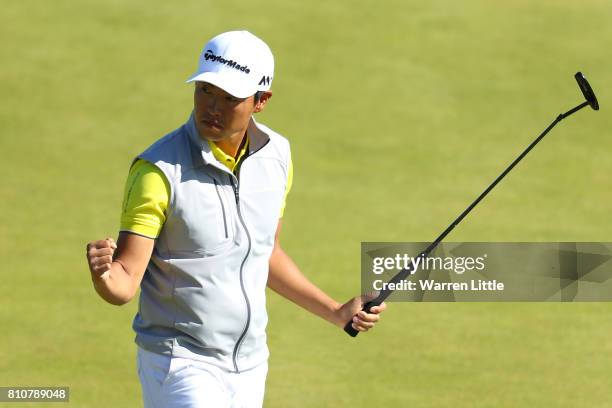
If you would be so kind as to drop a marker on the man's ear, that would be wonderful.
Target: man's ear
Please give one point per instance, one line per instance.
(263, 100)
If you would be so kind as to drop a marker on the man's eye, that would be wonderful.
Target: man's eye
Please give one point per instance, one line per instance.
(205, 89)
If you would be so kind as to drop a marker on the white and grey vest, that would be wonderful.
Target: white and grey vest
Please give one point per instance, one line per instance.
(203, 294)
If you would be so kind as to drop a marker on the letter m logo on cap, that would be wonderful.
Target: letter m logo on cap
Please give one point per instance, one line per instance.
(265, 80)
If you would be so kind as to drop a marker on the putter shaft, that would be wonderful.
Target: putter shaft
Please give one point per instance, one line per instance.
(384, 294)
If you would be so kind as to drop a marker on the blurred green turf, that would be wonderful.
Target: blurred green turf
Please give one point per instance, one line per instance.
(399, 114)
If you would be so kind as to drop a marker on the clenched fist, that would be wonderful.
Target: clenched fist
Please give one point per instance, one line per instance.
(100, 256)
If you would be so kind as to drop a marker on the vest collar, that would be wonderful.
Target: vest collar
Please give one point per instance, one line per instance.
(257, 137)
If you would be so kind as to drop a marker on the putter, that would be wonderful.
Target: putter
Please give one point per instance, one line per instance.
(591, 100)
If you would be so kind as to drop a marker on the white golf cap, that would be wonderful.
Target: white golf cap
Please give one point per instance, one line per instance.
(237, 62)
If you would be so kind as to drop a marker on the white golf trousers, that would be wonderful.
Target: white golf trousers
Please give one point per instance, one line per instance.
(170, 382)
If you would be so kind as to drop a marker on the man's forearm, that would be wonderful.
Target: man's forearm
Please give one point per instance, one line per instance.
(115, 287)
(117, 269)
(287, 280)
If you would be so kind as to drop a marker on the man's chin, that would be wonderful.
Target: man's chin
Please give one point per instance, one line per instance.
(209, 135)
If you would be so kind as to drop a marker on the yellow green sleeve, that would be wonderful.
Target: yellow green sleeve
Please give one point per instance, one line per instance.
(289, 184)
(145, 200)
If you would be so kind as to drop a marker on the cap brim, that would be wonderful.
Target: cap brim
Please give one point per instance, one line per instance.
(231, 85)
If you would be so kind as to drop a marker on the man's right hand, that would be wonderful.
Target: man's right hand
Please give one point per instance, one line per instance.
(117, 269)
(100, 257)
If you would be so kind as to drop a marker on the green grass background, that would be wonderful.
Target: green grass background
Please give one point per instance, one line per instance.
(399, 114)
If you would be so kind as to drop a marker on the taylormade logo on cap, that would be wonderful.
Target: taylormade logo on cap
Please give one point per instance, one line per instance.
(237, 62)
(209, 55)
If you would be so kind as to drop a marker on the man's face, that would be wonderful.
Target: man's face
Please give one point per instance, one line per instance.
(219, 115)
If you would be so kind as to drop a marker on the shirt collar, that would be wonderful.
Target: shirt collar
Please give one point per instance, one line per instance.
(225, 158)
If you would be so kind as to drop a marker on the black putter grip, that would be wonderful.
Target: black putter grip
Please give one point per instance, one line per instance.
(348, 328)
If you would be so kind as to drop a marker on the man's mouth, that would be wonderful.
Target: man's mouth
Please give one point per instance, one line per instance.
(211, 123)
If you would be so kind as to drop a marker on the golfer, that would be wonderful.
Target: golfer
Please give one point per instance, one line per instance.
(199, 235)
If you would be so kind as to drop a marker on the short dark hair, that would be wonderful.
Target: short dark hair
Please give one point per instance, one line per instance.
(258, 95)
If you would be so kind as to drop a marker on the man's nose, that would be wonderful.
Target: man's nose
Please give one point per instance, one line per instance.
(213, 105)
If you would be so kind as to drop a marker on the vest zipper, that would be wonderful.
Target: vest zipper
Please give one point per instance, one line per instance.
(222, 208)
(246, 298)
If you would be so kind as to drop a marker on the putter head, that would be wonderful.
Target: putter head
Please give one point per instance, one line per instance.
(587, 91)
